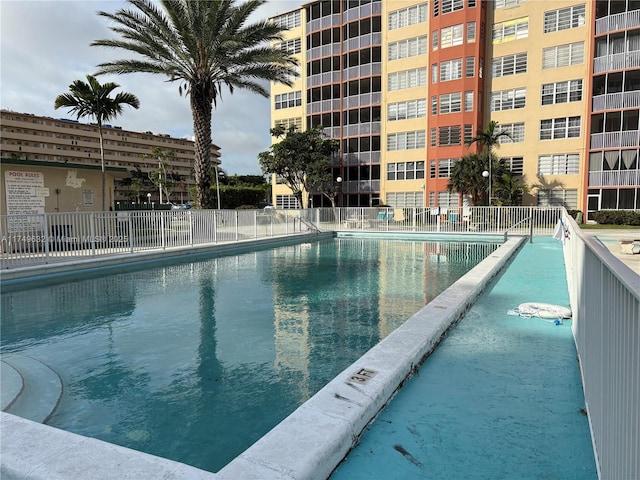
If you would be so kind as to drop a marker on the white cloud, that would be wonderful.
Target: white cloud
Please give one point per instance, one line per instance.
(45, 46)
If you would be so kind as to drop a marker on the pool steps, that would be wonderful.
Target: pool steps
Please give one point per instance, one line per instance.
(30, 388)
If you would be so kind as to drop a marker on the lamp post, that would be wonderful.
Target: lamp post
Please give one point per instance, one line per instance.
(487, 174)
(148, 198)
(339, 181)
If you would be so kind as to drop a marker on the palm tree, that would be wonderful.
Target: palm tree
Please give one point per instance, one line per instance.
(466, 175)
(92, 99)
(205, 46)
(488, 139)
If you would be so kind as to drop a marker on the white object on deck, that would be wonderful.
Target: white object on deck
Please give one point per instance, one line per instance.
(542, 310)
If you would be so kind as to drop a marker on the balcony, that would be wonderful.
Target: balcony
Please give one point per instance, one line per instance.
(619, 21)
(627, 138)
(362, 71)
(362, 129)
(323, 51)
(616, 101)
(323, 79)
(323, 106)
(362, 100)
(617, 61)
(614, 178)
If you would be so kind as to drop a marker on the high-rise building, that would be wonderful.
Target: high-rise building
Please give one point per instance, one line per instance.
(404, 84)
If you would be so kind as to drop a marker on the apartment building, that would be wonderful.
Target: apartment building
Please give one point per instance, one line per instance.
(404, 83)
(62, 157)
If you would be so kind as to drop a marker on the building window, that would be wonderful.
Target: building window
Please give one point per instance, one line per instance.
(511, 30)
(450, 103)
(434, 105)
(287, 202)
(471, 3)
(556, 128)
(449, 6)
(406, 110)
(507, 3)
(288, 100)
(408, 48)
(432, 169)
(434, 40)
(408, 16)
(509, 65)
(407, 79)
(434, 73)
(446, 199)
(288, 20)
(436, 8)
(449, 136)
(432, 137)
(291, 46)
(515, 131)
(471, 32)
(564, 18)
(289, 122)
(451, 70)
(563, 164)
(508, 99)
(468, 132)
(552, 198)
(470, 67)
(405, 171)
(405, 140)
(451, 36)
(563, 55)
(468, 101)
(406, 199)
(444, 167)
(562, 92)
(514, 164)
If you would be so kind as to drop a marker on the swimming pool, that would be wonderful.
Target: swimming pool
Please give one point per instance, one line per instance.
(194, 362)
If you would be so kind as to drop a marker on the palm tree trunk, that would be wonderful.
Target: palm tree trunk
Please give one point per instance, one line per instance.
(201, 109)
(104, 180)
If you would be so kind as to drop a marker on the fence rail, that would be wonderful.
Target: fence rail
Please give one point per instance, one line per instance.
(605, 302)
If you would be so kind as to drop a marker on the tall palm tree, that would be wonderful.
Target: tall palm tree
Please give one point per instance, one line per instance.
(91, 99)
(205, 46)
(488, 139)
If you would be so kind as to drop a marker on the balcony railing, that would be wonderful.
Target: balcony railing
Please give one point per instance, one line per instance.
(362, 100)
(323, 106)
(628, 138)
(616, 101)
(617, 61)
(323, 79)
(361, 129)
(614, 178)
(362, 71)
(323, 51)
(619, 21)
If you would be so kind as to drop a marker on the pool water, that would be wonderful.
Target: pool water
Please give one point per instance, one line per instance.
(195, 362)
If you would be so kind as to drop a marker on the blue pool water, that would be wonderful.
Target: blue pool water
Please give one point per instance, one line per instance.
(194, 362)
(500, 398)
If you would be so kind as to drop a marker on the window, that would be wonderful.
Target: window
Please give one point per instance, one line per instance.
(451, 70)
(555, 128)
(288, 20)
(289, 122)
(564, 18)
(468, 133)
(408, 16)
(508, 99)
(287, 201)
(445, 166)
(432, 169)
(551, 198)
(509, 65)
(405, 170)
(405, 110)
(434, 105)
(511, 30)
(471, 32)
(408, 48)
(468, 101)
(563, 164)
(563, 55)
(406, 140)
(406, 199)
(562, 92)
(470, 67)
(515, 131)
(408, 79)
(451, 103)
(434, 73)
(449, 136)
(449, 6)
(514, 164)
(434, 40)
(432, 137)
(291, 46)
(288, 100)
(507, 3)
(451, 36)
(446, 199)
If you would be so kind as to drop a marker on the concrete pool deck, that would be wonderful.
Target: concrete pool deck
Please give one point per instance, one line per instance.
(307, 444)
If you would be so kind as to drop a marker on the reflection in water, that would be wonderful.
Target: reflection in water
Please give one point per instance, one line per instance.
(195, 362)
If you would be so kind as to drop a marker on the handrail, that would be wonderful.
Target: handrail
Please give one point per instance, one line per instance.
(518, 223)
(309, 224)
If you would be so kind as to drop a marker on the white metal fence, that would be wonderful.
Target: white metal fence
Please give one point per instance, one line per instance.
(605, 300)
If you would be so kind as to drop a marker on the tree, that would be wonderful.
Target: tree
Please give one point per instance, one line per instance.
(92, 99)
(466, 176)
(160, 177)
(510, 188)
(205, 46)
(301, 159)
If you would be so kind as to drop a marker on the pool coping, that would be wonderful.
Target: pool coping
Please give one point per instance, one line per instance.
(308, 444)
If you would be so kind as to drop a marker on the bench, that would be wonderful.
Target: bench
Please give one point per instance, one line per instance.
(630, 247)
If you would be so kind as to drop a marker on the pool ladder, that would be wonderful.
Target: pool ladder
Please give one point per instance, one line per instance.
(310, 225)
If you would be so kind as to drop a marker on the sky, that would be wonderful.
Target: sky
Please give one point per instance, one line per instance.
(45, 46)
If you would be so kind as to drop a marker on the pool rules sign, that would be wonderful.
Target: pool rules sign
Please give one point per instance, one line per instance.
(25, 193)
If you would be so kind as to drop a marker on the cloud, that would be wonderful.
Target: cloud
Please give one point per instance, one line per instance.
(45, 46)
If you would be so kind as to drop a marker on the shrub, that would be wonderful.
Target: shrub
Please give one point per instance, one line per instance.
(617, 217)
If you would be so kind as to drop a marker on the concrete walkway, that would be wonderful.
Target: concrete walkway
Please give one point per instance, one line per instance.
(500, 398)
(611, 239)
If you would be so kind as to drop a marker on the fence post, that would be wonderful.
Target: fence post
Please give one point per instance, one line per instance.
(530, 224)
(237, 225)
(45, 231)
(92, 232)
(130, 225)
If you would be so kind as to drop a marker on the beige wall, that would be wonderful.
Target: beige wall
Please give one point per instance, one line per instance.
(76, 186)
